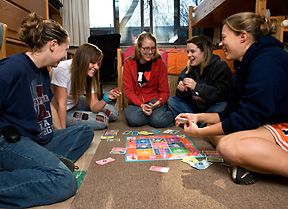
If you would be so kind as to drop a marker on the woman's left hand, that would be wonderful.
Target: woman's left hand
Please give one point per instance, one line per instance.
(155, 104)
(189, 83)
(114, 93)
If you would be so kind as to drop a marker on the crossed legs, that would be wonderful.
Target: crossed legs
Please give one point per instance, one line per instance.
(254, 150)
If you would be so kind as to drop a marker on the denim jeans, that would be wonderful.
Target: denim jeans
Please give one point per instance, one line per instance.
(81, 114)
(31, 174)
(161, 117)
(178, 106)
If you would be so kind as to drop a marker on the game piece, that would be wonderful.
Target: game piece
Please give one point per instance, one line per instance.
(113, 140)
(105, 161)
(159, 169)
(169, 147)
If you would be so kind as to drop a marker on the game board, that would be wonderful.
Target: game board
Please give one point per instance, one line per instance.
(170, 147)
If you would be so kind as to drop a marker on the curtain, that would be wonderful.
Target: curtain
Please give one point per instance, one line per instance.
(75, 16)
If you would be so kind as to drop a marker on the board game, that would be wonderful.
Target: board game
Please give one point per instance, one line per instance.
(170, 147)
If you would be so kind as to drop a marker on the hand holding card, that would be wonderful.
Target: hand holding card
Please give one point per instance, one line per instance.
(182, 120)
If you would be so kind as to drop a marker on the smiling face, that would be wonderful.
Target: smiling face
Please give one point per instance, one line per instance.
(59, 52)
(195, 55)
(93, 68)
(231, 44)
(147, 50)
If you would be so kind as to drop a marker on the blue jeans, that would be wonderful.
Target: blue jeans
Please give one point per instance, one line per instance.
(33, 175)
(81, 114)
(178, 106)
(161, 117)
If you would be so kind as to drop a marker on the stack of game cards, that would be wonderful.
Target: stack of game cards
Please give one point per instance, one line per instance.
(212, 156)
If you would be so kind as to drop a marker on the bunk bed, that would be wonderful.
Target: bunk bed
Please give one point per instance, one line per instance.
(211, 13)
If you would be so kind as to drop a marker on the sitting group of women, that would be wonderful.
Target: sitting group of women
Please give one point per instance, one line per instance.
(246, 119)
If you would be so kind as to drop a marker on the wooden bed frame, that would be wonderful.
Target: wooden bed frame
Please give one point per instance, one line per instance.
(211, 13)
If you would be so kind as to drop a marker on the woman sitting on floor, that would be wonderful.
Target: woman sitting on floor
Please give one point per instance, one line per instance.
(203, 86)
(145, 81)
(78, 76)
(251, 132)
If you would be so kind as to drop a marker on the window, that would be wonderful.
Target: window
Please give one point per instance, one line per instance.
(168, 20)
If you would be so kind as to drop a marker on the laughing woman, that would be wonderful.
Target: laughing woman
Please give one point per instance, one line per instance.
(146, 85)
(73, 79)
(251, 132)
(203, 86)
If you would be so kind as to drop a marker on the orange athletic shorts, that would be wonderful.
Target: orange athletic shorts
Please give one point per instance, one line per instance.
(280, 133)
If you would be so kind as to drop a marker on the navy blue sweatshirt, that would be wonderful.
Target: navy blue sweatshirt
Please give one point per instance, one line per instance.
(25, 98)
(259, 93)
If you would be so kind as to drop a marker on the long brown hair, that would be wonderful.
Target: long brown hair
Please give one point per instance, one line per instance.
(205, 44)
(253, 23)
(35, 32)
(86, 53)
(138, 45)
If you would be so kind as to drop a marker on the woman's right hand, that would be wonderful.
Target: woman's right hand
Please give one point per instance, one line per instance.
(181, 86)
(146, 108)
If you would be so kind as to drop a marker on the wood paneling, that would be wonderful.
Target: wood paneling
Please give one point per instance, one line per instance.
(13, 12)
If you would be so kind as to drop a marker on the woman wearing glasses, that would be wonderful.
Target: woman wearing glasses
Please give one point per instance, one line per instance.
(146, 85)
(203, 86)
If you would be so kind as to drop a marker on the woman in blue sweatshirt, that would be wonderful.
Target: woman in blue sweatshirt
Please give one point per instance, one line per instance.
(251, 132)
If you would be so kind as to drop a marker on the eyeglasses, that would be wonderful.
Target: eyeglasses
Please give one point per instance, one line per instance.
(147, 49)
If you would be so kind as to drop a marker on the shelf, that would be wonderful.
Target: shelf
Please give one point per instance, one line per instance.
(211, 13)
(55, 14)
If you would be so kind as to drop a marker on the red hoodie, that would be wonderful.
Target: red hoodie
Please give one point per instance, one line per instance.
(156, 87)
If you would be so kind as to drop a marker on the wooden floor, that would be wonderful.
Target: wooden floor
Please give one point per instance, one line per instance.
(83, 163)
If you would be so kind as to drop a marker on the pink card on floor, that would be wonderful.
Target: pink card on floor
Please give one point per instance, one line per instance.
(105, 161)
(159, 169)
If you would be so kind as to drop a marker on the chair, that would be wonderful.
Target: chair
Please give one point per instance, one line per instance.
(3, 34)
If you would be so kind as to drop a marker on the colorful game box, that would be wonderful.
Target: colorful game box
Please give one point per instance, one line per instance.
(170, 147)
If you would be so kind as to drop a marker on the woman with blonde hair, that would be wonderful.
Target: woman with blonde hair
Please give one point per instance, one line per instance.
(145, 81)
(33, 143)
(251, 133)
(203, 86)
(76, 83)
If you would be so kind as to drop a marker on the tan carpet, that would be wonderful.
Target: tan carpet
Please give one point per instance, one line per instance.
(130, 185)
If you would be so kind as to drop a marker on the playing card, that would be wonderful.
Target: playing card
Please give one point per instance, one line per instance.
(203, 164)
(105, 161)
(126, 132)
(156, 131)
(117, 152)
(113, 140)
(119, 149)
(159, 169)
(182, 120)
(215, 159)
(168, 131)
(107, 137)
(135, 133)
